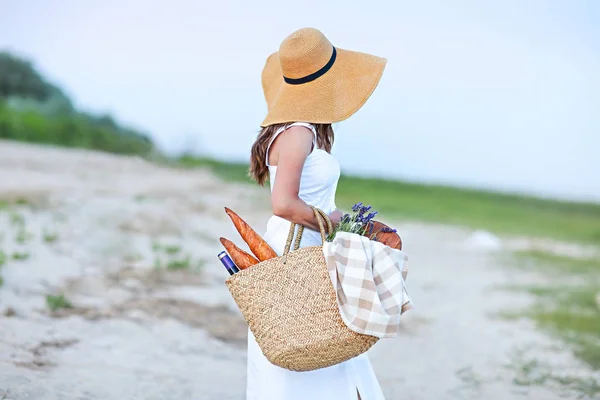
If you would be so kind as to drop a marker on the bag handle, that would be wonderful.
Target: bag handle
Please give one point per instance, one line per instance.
(321, 216)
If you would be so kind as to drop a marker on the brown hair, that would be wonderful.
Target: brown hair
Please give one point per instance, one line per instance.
(258, 157)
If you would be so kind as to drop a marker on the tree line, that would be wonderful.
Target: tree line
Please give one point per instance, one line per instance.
(32, 109)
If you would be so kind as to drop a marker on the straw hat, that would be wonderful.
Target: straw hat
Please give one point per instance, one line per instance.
(310, 80)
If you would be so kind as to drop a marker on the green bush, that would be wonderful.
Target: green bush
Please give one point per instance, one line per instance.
(72, 130)
(37, 111)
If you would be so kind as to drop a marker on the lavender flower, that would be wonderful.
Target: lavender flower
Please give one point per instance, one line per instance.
(362, 210)
(388, 230)
(371, 226)
(360, 222)
(370, 216)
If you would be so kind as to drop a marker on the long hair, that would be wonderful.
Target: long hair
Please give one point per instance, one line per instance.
(258, 156)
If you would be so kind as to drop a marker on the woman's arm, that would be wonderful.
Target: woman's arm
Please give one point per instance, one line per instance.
(292, 148)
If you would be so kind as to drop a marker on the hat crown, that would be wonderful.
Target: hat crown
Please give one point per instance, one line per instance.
(304, 52)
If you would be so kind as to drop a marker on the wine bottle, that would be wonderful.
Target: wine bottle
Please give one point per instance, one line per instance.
(228, 263)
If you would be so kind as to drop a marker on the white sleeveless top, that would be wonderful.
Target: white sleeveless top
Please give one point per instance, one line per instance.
(318, 184)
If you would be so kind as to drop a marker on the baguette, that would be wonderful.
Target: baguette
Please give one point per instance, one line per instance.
(257, 245)
(391, 239)
(240, 258)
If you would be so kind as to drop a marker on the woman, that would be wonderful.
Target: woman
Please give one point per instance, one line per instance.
(308, 85)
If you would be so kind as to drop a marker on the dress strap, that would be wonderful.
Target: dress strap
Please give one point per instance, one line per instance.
(284, 128)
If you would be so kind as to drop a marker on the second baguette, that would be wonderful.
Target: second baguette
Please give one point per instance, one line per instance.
(239, 257)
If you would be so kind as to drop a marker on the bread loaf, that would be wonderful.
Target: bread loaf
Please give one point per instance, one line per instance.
(241, 258)
(391, 239)
(257, 245)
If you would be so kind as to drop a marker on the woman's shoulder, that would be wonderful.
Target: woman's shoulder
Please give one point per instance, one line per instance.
(296, 130)
(297, 126)
(304, 124)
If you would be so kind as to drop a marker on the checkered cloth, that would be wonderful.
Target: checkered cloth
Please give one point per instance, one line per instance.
(369, 280)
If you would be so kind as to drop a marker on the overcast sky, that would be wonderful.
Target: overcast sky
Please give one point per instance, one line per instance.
(495, 94)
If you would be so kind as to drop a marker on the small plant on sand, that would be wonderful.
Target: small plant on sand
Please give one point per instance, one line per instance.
(20, 256)
(23, 236)
(17, 219)
(2, 261)
(166, 248)
(57, 302)
(529, 372)
(564, 306)
(50, 237)
(181, 263)
(172, 249)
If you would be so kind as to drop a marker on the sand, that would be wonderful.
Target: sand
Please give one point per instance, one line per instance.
(132, 245)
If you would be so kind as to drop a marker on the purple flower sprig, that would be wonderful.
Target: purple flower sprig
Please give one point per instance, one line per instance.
(357, 222)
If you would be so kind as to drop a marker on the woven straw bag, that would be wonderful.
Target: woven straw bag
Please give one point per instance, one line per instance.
(291, 308)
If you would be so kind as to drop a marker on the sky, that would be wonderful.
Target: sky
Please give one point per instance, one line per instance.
(501, 95)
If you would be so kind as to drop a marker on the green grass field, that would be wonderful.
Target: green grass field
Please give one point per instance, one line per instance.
(566, 302)
(499, 213)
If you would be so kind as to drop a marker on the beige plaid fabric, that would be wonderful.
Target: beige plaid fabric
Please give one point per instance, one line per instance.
(369, 280)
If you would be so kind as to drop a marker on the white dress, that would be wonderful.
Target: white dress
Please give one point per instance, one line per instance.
(339, 382)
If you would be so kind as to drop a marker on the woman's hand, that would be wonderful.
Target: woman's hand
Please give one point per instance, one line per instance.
(336, 217)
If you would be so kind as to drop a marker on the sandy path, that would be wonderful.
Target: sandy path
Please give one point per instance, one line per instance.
(103, 230)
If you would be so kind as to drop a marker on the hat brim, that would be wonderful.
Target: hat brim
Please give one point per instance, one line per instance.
(333, 97)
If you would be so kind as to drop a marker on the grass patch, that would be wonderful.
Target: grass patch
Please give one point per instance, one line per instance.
(530, 372)
(231, 172)
(179, 263)
(166, 248)
(568, 265)
(20, 201)
(171, 249)
(50, 237)
(496, 212)
(23, 236)
(20, 256)
(500, 213)
(573, 315)
(3, 258)
(175, 261)
(17, 219)
(569, 311)
(57, 302)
